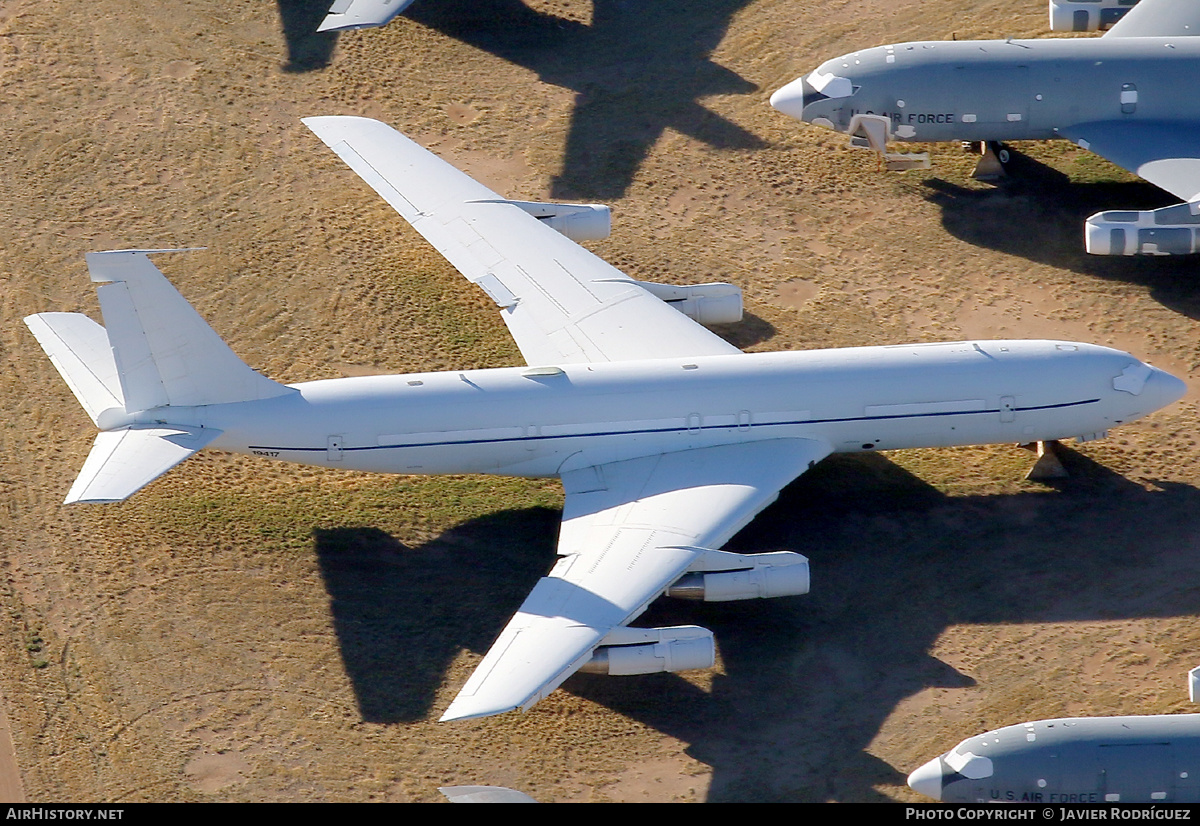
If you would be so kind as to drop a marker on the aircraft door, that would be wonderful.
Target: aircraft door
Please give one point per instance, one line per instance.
(1008, 409)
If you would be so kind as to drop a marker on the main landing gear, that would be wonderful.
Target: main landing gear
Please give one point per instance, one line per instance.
(993, 159)
(1048, 465)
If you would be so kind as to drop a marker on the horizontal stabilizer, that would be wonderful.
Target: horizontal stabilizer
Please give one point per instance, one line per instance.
(78, 347)
(124, 461)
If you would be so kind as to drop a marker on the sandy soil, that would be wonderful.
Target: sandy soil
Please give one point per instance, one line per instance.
(242, 631)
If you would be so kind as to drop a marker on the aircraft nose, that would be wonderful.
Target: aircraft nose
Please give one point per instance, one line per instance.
(789, 99)
(1165, 387)
(928, 779)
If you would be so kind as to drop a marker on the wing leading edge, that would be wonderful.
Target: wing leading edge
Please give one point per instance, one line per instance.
(630, 529)
(561, 303)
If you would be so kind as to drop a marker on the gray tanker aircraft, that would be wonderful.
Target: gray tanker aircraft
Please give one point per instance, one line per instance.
(1152, 759)
(1129, 96)
(667, 438)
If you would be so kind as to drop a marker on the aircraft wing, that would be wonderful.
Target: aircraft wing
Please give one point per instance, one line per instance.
(1159, 18)
(1165, 153)
(361, 14)
(561, 303)
(630, 529)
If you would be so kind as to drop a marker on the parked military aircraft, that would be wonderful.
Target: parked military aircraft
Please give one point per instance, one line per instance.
(1087, 15)
(361, 14)
(1125, 96)
(1153, 759)
(667, 438)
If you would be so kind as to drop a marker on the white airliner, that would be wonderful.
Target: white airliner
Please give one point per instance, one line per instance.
(668, 439)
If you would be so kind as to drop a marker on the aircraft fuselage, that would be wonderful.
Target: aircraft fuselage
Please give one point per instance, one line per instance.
(541, 422)
(1082, 760)
(1000, 90)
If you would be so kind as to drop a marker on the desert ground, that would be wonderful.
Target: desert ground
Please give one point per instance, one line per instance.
(250, 631)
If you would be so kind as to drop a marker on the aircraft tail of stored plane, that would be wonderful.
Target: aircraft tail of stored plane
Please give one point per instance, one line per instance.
(156, 353)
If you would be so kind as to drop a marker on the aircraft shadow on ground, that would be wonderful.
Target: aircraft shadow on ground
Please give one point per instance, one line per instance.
(809, 681)
(1038, 213)
(749, 331)
(636, 70)
(403, 614)
(307, 48)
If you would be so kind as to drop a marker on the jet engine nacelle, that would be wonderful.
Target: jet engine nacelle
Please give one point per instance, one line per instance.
(1173, 230)
(712, 303)
(651, 650)
(1087, 15)
(579, 222)
(757, 576)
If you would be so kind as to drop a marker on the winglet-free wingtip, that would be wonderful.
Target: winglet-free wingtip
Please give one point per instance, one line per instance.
(333, 129)
(323, 123)
(464, 709)
(336, 23)
(346, 15)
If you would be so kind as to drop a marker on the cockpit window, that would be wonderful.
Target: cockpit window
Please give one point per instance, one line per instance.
(831, 85)
(969, 765)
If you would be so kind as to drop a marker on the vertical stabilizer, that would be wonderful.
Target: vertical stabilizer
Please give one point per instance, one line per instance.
(165, 353)
(155, 352)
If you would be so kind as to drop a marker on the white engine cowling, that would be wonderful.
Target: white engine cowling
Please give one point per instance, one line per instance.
(1087, 15)
(758, 576)
(579, 222)
(628, 651)
(712, 303)
(1173, 230)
